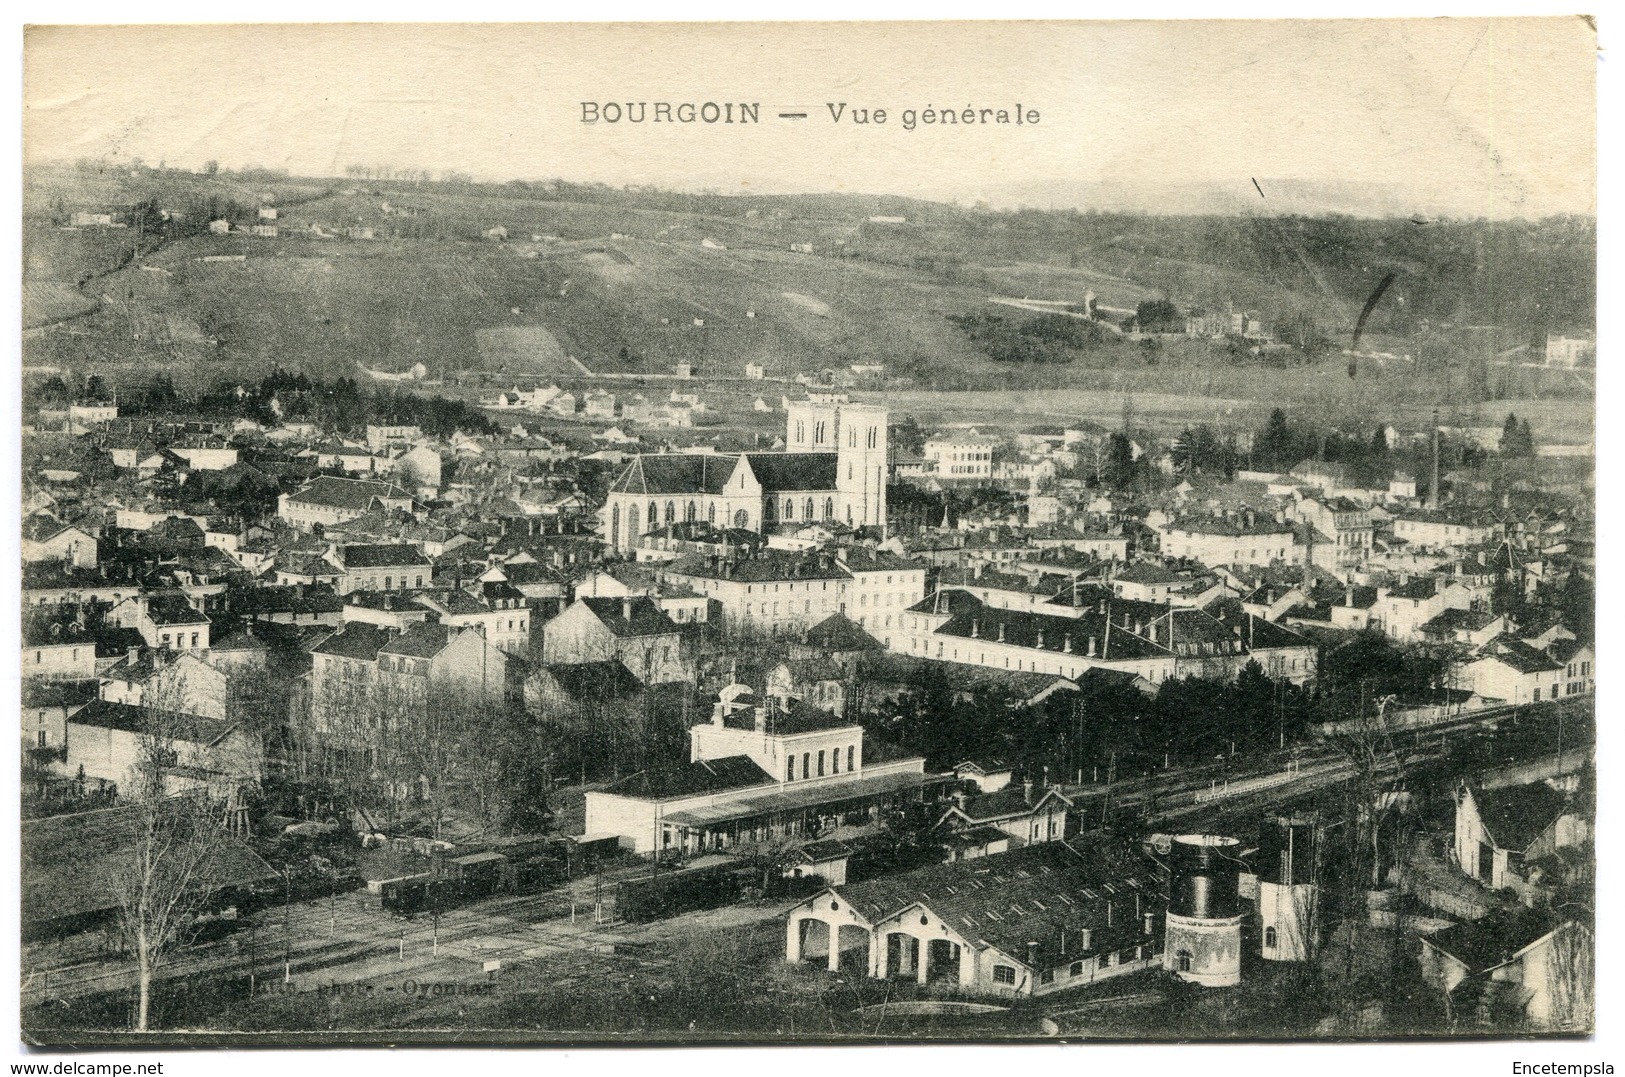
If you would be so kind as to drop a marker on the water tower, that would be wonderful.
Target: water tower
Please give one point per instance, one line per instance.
(1288, 887)
(1204, 910)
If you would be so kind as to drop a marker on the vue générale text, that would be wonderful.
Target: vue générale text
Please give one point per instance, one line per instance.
(750, 112)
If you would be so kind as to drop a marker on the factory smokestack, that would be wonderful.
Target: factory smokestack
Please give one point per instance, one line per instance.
(1433, 482)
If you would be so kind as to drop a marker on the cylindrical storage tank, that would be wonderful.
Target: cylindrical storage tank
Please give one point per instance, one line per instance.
(1286, 850)
(1288, 893)
(1203, 942)
(1206, 873)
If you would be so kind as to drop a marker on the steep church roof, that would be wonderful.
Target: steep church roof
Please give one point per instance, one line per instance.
(676, 473)
(794, 470)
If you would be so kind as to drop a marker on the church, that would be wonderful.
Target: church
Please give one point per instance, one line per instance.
(833, 468)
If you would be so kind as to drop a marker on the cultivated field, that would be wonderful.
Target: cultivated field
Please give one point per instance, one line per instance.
(639, 282)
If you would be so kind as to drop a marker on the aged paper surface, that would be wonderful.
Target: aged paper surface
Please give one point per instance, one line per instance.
(808, 532)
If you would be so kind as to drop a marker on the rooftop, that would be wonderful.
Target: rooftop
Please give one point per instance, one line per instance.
(333, 492)
(380, 555)
(633, 616)
(1045, 893)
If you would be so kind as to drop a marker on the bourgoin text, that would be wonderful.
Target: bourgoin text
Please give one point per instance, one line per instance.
(837, 112)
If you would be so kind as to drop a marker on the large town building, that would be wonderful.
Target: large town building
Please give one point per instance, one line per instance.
(761, 770)
(1049, 917)
(833, 469)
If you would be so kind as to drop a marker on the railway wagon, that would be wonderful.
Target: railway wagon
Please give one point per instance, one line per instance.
(660, 896)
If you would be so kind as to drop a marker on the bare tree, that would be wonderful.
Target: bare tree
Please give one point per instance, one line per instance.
(1571, 976)
(173, 864)
(1371, 800)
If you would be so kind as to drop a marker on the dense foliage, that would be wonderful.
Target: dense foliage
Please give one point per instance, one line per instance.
(1048, 338)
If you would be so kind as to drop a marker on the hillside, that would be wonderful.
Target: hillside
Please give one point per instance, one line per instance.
(551, 280)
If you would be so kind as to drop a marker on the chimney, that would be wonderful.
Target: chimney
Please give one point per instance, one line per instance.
(1147, 920)
(626, 608)
(1032, 955)
(1027, 790)
(1433, 485)
(1348, 595)
(1086, 938)
(975, 629)
(1066, 644)
(1040, 643)
(1001, 631)
(1091, 651)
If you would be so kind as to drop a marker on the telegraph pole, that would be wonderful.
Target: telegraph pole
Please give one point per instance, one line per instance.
(287, 925)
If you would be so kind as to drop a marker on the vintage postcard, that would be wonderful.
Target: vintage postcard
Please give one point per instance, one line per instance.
(725, 533)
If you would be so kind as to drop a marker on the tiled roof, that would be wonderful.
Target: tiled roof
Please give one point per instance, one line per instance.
(1236, 526)
(1009, 802)
(693, 779)
(1045, 893)
(382, 555)
(173, 609)
(865, 559)
(1114, 643)
(991, 579)
(419, 641)
(793, 470)
(1520, 656)
(838, 632)
(454, 602)
(287, 598)
(626, 617)
(824, 851)
(766, 566)
(1453, 619)
(595, 681)
(1418, 587)
(1564, 650)
(1484, 944)
(1516, 815)
(357, 640)
(1258, 634)
(1147, 572)
(127, 718)
(357, 494)
(676, 473)
(799, 717)
(54, 628)
(306, 564)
